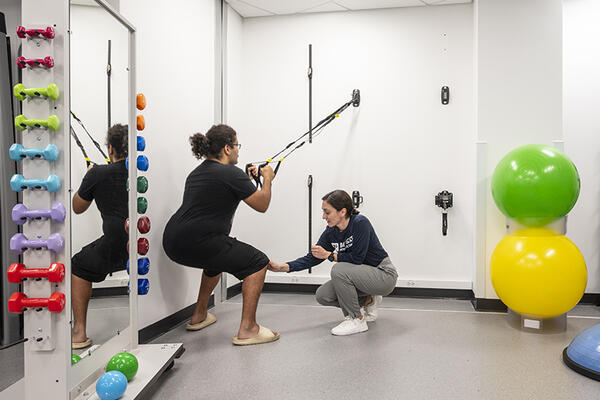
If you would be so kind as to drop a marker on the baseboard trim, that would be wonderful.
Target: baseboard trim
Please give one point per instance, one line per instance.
(290, 287)
(429, 293)
(461, 294)
(234, 290)
(494, 305)
(498, 305)
(479, 304)
(151, 332)
(109, 291)
(590, 298)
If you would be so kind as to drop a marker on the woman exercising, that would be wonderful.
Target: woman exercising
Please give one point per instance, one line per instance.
(198, 234)
(363, 272)
(106, 184)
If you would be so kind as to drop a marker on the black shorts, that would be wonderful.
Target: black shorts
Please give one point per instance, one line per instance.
(96, 260)
(225, 254)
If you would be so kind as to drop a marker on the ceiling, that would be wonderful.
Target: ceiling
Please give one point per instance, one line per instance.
(263, 8)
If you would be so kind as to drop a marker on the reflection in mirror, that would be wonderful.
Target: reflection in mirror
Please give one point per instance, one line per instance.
(99, 82)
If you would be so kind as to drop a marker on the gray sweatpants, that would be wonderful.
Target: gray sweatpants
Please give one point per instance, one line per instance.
(351, 284)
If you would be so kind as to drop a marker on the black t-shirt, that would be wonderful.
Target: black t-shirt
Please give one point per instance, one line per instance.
(212, 193)
(106, 184)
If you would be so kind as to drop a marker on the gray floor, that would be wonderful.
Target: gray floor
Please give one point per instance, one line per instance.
(417, 349)
(105, 316)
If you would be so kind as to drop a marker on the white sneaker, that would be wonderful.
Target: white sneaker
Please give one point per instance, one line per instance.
(371, 312)
(350, 326)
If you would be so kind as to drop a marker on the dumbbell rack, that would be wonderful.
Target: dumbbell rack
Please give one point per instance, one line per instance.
(48, 345)
(141, 163)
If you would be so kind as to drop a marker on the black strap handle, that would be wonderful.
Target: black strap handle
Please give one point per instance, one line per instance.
(256, 177)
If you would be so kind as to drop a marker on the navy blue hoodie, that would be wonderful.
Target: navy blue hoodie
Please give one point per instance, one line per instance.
(357, 244)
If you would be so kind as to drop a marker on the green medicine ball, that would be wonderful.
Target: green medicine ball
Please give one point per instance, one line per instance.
(125, 363)
(535, 184)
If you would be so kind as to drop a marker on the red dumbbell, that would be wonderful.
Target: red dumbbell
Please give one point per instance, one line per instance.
(143, 246)
(18, 301)
(17, 271)
(48, 32)
(143, 225)
(47, 62)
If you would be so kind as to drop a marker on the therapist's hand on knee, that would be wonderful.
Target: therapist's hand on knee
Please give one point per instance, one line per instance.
(275, 267)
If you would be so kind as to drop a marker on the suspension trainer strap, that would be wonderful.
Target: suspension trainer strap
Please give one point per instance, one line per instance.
(355, 101)
(91, 138)
(85, 156)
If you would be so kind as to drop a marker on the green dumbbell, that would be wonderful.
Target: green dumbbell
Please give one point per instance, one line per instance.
(142, 205)
(142, 184)
(21, 92)
(52, 123)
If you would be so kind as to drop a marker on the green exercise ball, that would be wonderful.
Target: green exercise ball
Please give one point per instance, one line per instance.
(125, 363)
(535, 184)
(75, 359)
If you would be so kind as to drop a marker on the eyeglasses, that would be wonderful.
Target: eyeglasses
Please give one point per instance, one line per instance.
(238, 145)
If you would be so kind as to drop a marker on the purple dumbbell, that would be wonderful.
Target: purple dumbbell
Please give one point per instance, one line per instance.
(19, 243)
(20, 213)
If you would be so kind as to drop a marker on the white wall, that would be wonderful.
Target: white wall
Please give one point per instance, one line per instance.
(91, 28)
(519, 92)
(175, 64)
(399, 149)
(582, 124)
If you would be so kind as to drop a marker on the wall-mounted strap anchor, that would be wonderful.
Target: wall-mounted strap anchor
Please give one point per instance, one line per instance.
(444, 200)
(357, 199)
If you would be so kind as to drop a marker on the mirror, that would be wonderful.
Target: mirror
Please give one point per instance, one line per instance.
(99, 83)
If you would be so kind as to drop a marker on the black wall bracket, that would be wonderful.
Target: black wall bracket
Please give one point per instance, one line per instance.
(445, 95)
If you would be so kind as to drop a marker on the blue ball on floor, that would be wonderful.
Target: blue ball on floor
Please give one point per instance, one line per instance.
(111, 385)
(583, 354)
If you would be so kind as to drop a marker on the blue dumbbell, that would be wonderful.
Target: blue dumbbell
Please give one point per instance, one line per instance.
(142, 163)
(17, 152)
(141, 143)
(18, 183)
(143, 265)
(143, 286)
(19, 243)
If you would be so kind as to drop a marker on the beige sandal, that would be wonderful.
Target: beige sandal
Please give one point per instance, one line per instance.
(264, 335)
(209, 320)
(81, 345)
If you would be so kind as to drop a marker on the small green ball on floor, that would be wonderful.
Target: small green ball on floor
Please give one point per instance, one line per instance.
(126, 363)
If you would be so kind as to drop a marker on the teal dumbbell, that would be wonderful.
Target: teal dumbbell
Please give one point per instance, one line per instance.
(21, 92)
(17, 152)
(22, 123)
(18, 183)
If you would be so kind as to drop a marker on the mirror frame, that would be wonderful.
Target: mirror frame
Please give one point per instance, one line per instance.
(91, 368)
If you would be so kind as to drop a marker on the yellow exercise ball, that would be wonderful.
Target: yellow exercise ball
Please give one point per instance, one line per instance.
(537, 272)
